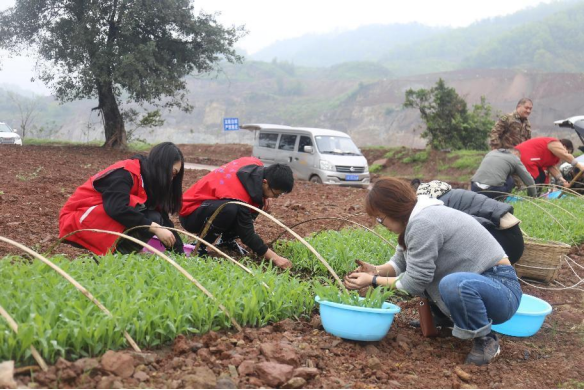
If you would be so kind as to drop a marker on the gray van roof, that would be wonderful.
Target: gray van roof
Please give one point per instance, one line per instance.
(311, 130)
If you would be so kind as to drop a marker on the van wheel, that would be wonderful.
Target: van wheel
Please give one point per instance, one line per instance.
(316, 179)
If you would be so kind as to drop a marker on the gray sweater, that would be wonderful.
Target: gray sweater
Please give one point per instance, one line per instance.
(441, 241)
(497, 165)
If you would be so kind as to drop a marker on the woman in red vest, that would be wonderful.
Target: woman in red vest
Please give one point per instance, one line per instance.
(543, 154)
(135, 192)
(245, 180)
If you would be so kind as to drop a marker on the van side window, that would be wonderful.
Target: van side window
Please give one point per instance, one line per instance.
(287, 142)
(304, 141)
(268, 140)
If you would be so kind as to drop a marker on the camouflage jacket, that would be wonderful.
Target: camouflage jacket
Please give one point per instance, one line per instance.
(509, 131)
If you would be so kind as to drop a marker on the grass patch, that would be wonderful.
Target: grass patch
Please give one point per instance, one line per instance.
(419, 157)
(375, 168)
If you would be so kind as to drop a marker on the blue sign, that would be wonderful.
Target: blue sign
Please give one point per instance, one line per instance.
(230, 124)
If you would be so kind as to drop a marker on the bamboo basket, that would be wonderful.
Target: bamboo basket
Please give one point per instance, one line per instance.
(541, 260)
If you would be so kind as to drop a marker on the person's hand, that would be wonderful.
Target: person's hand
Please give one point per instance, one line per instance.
(282, 262)
(357, 280)
(267, 205)
(365, 267)
(164, 235)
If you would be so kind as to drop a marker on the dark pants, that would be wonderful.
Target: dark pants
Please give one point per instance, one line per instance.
(126, 246)
(225, 224)
(495, 192)
(511, 240)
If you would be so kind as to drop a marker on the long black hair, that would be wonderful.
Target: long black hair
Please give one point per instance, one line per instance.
(164, 191)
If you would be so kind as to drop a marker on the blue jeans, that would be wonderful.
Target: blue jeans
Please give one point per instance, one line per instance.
(477, 301)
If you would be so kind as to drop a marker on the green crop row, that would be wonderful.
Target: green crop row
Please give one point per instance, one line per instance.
(149, 298)
(557, 220)
(340, 249)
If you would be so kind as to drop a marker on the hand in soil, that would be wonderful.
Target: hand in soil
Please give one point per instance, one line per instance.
(282, 262)
(267, 205)
(365, 267)
(357, 280)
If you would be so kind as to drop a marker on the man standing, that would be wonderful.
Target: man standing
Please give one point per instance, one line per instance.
(514, 128)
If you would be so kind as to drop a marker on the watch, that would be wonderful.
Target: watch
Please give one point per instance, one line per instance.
(374, 281)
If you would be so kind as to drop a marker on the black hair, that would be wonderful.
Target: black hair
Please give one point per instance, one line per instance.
(568, 144)
(164, 191)
(279, 177)
(415, 183)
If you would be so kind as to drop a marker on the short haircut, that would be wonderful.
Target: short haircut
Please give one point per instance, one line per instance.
(568, 145)
(279, 177)
(523, 101)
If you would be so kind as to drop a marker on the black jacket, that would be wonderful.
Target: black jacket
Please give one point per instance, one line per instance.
(485, 210)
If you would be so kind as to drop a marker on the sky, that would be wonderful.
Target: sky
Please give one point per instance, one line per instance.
(268, 21)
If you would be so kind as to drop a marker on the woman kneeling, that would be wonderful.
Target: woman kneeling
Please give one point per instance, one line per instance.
(448, 257)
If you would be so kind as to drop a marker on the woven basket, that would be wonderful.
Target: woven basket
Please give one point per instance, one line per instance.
(541, 260)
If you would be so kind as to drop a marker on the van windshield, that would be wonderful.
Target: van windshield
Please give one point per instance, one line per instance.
(336, 145)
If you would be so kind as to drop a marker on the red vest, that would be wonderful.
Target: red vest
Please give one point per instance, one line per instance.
(84, 210)
(222, 183)
(535, 154)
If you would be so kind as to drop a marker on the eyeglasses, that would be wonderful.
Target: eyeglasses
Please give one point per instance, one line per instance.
(380, 220)
(276, 194)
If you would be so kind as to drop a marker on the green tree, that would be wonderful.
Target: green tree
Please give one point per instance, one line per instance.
(135, 50)
(449, 123)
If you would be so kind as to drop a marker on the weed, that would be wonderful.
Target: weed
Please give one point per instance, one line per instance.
(375, 168)
(419, 157)
(30, 176)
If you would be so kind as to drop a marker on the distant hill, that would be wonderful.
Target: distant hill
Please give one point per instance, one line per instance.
(542, 37)
(367, 43)
(553, 44)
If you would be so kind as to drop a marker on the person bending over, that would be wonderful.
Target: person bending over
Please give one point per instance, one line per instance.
(134, 192)
(494, 176)
(245, 180)
(448, 257)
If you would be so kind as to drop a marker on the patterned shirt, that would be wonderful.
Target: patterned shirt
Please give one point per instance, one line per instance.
(509, 131)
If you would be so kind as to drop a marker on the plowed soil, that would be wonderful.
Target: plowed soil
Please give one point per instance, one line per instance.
(36, 181)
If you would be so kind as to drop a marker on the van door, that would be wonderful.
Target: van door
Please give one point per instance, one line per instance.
(302, 162)
(266, 147)
(286, 145)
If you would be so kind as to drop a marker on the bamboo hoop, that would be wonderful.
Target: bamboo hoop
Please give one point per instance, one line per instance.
(243, 267)
(338, 218)
(172, 262)
(14, 326)
(70, 279)
(303, 241)
(534, 203)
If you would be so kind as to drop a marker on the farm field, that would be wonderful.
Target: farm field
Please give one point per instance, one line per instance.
(188, 342)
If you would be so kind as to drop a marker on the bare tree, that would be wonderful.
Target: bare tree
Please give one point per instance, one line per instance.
(28, 109)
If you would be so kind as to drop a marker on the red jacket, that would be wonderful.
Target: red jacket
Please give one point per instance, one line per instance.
(222, 183)
(535, 155)
(84, 210)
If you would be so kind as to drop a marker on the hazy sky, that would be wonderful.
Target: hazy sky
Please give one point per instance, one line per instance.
(268, 21)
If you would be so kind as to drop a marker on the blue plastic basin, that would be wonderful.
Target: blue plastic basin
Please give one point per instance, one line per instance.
(356, 323)
(528, 319)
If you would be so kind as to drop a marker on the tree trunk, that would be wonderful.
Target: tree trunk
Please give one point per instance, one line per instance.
(115, 132)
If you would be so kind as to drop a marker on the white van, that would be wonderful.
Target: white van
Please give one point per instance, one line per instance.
(318, 155)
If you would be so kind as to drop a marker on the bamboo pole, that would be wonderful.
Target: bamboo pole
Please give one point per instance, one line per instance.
(303, 241)
(14, 326)
(78, 286)
(172, 262)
